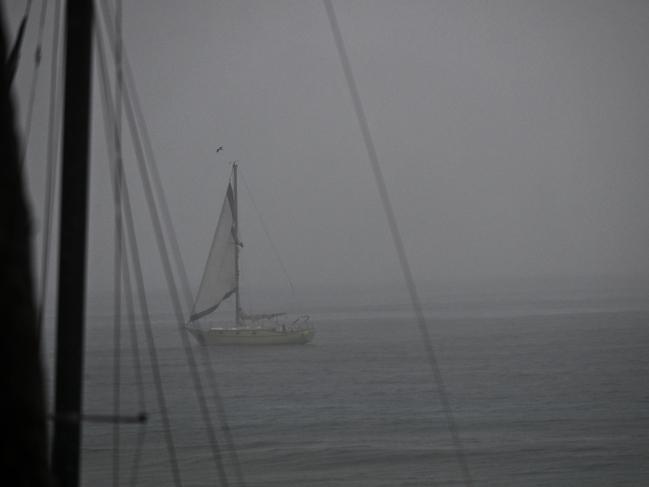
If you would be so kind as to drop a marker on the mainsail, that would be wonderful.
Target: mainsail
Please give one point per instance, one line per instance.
(219, 278)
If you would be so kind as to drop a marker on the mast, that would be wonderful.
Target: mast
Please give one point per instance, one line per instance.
(237, 245)
(72, 244)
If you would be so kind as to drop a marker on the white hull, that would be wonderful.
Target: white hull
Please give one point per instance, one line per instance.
(252, 336)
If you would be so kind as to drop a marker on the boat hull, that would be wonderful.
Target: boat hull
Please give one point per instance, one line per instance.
(252, 336)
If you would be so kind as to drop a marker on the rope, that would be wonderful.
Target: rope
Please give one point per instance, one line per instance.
(167, 268)
(175, 248)
(398, 243)
(11, 63)
(117, 295)
(139, 278)
(207, 365)
(52, 152)
(37, 64)
(263, 226)
(133, 102)
(139, 380)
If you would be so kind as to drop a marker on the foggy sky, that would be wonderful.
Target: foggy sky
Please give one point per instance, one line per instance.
(513, 136)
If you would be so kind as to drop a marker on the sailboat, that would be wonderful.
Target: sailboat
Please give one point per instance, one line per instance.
(221, 281)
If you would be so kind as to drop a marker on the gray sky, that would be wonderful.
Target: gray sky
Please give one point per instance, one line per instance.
(513, 135)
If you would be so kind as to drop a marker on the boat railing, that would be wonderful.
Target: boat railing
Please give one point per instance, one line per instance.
(299, 323)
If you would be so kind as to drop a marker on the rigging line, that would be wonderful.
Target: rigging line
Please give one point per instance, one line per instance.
(148, 151)
(116, 159)
(139, 277)
(164, 255)
(11, 63)
(148, 147)
(137, 456)
(133, 102)
(117, 326)
(137, 365)
(139, 381)
(52, 152)
(130, 306)
(166, 264)
(32, 94)
(398, 243)
(133, 99)
(117, 296)
(263, 226)
(205, 357)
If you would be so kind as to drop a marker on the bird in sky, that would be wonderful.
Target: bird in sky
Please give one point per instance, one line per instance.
(219, 148)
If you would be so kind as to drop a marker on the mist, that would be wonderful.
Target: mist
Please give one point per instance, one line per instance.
(512, 135)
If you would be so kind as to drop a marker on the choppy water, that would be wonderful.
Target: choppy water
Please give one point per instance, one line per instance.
(543, 395)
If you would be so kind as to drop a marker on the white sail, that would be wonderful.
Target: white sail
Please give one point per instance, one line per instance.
(219, 278)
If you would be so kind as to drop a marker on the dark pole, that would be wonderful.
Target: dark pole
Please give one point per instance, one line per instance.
(72, 243)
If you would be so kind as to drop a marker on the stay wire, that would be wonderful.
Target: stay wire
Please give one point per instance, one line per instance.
(196, 380)
(132, 99)
(137, 362)
(265, 228)
(13, 56)
(117, 181)
(139, 277)
(164, 256)
(170, 231)
(139, 376)
(53, 132)
(398, 243)
(28, 8)
(35, 77)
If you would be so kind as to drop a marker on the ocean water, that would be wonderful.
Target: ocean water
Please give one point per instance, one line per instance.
(544, 394)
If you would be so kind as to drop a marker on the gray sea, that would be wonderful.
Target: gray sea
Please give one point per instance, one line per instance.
(545, 392)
